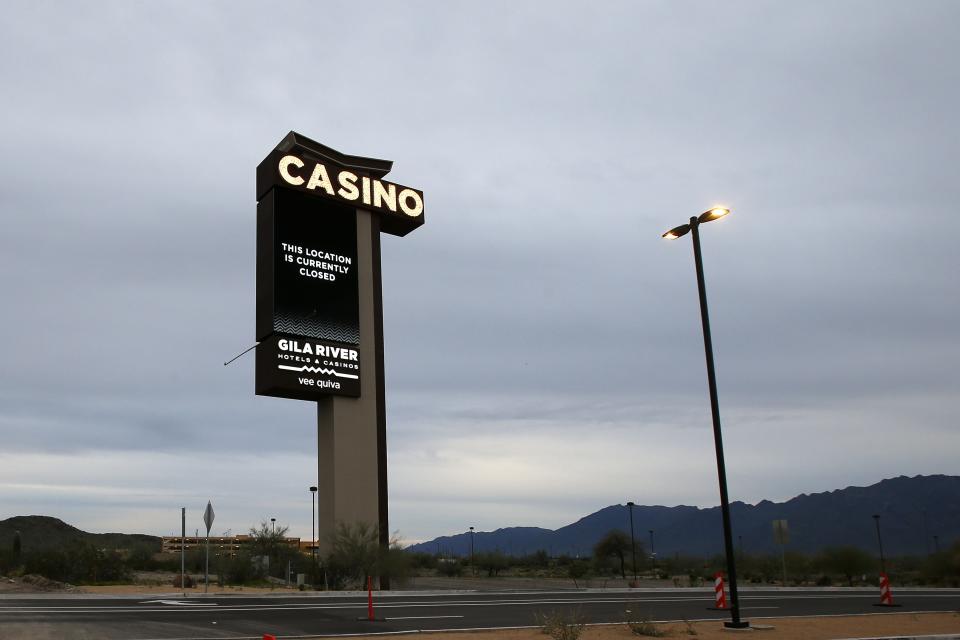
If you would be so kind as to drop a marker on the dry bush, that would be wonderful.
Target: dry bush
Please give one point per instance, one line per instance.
(643, 626)
(560, 625)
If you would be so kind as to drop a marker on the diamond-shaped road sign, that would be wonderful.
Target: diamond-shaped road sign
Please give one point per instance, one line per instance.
(208, 516)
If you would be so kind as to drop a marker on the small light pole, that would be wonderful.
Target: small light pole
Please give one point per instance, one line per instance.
(273, 541)
(633, 544)
(473, 567)
(883, 561)
(923, 524)
(313, 531)
(653, 554)
(694, 226)
(183, 549)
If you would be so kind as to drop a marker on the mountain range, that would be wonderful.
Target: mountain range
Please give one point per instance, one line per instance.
(38, 533)
(916, 515)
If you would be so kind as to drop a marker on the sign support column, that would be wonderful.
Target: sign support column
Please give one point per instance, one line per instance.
(352, 435)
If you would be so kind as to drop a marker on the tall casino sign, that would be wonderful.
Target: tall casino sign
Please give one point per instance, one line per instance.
(308, 310)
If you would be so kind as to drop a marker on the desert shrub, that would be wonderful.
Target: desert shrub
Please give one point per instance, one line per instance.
(450, 569)
(239, 569)
(645, 627)
(422, 560)
(52, 564)
(493, 562)
(560, 625)
(140, 558)
(577, 570)
(79, 563)
(536, 560)
(9, 561)
(355, 554)
(187, 583)
(849, 562)
(942, 568)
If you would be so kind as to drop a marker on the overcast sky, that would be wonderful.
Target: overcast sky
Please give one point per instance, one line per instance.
(543, 345)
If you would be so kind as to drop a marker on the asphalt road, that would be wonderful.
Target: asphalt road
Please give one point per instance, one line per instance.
(307, 615)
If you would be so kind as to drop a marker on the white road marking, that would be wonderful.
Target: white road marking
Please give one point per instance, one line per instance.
(181, 603)
(423, 617)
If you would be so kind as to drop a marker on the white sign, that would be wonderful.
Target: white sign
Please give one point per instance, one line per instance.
(781, 533)
(377, 194)
(208, 516)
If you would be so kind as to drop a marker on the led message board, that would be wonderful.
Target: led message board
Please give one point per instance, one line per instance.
(307, 310)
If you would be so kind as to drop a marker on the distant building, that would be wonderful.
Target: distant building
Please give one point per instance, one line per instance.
(222, 545)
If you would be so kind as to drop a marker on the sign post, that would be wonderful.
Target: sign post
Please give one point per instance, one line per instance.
(183, 549)
(781, 534)
(208, 516)
(319, 314)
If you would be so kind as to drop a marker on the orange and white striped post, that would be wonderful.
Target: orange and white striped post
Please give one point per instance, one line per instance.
(886, 596)
(721, 597)
(370, 599)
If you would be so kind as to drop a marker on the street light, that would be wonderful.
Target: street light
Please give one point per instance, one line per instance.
(633, 544)
(653, 554)
(883, 561)
(694, 226)
(313, 529)
(473, 567)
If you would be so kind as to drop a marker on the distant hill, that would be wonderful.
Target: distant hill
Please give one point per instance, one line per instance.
(43, 532)
(912, 511)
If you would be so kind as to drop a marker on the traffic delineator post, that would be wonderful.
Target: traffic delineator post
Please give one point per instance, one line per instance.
(719, 593)
(886, 594)
(370, 614)
(267, 636)
(370, 598)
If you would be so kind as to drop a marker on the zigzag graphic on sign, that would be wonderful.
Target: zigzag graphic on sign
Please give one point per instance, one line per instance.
(329, 372)
(319, 329)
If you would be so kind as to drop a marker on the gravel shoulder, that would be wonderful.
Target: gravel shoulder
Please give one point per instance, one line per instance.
(880, 625)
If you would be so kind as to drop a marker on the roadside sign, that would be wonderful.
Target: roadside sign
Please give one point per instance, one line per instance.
(781, 533)
(208, 516)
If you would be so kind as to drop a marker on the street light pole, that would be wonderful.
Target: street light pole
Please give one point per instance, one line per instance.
(273, 542)
(473, 567)
(694, 228)
(653, 554)
(313, 532)
(883, 561)
(633, 544)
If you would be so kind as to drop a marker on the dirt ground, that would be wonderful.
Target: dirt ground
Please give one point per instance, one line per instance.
(147, 589)
(36, 584)
(828, 628)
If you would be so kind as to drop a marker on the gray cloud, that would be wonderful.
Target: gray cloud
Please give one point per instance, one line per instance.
(538, 304)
